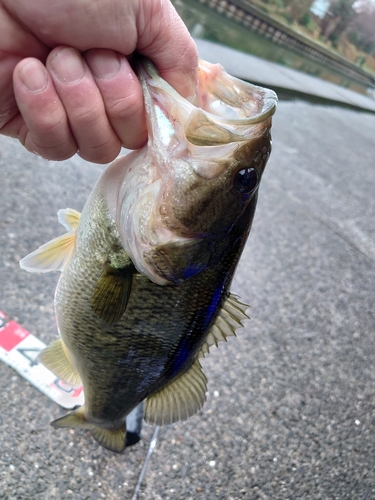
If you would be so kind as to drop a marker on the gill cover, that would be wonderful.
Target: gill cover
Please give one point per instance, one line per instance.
(183, 194)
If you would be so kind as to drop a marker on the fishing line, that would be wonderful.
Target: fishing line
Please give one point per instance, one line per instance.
(145, 463)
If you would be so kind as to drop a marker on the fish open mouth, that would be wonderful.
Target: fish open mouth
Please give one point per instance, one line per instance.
(223, 109)
(196, 147)
(230, 99)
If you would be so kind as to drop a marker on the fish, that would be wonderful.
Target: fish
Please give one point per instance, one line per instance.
(146, 268)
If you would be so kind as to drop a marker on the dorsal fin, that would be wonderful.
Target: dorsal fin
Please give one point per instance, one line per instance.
(178, 400)
(53, 256)
(230, 318)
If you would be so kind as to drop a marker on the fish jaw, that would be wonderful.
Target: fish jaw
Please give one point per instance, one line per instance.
(183, 192)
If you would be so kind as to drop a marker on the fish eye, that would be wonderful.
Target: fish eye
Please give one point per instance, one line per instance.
(246, 180)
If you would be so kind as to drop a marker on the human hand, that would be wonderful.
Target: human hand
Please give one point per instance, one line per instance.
(73, 87)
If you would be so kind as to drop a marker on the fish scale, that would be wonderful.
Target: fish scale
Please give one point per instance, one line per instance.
(146, 268)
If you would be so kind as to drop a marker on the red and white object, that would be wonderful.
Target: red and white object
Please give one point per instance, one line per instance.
(19, 349)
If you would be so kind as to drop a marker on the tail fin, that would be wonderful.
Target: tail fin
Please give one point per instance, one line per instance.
(75, 420)
(112, 439)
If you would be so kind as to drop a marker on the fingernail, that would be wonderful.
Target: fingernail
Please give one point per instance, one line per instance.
(68, 66)
(104, 66)
(34, 76)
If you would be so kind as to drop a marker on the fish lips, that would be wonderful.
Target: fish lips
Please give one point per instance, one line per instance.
(222, 111)
(191, 142)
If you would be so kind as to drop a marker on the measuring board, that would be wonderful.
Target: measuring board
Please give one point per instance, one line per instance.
(19, 349)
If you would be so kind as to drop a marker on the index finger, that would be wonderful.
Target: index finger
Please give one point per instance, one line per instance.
(164, 38)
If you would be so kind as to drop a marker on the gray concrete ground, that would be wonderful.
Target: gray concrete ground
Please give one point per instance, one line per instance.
(291, 404)
(274, 75)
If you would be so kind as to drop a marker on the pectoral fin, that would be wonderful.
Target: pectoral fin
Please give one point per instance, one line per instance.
(111, 294)
(230, 318)
(112, 439)
(178, 400)
(56, 358)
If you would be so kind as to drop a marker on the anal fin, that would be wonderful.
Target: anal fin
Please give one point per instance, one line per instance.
(180, 399)
(56, 358)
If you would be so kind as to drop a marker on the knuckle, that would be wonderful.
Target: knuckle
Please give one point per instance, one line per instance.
(125, 107)
(100, 153)
(57, 152)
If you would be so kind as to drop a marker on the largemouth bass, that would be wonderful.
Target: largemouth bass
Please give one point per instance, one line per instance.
(146, 268)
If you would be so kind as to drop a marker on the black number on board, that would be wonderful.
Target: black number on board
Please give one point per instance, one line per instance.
(63, 386)
(28, 352)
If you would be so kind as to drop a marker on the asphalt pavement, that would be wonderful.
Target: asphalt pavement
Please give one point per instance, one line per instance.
(291, 404)
(286, 80)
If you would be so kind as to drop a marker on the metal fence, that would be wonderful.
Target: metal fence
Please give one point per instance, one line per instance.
(256, 20)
